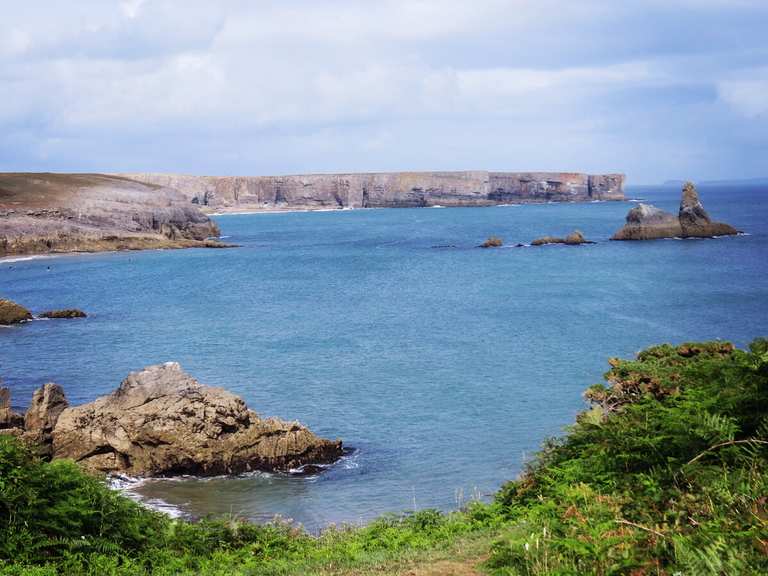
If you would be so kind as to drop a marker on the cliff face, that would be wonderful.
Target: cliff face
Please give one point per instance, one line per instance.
(91, 212)
(388, 190)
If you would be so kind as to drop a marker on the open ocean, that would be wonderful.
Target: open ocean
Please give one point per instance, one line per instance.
(443, 368)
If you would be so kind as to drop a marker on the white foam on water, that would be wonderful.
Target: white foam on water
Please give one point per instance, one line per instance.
(10, 259)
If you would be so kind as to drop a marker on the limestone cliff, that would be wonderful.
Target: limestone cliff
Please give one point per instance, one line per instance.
(91, 212)
(387, 190)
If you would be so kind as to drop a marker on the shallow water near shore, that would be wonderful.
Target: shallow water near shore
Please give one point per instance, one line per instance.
(444, 368)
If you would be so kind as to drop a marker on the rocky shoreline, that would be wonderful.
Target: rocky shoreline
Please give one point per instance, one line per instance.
(162, 422)
(55, 213)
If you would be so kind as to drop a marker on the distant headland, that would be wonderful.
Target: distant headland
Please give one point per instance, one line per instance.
(387, 189)
(52, 212)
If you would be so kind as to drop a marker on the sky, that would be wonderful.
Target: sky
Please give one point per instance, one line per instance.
(657, 89)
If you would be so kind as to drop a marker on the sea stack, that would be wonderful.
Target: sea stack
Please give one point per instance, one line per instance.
(646, 222)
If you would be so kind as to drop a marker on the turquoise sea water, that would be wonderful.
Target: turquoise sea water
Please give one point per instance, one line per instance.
(444, 368)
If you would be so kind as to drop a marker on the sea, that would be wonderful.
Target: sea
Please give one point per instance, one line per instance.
(442, 366)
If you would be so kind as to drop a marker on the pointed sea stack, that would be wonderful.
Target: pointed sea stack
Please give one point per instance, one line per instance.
(695, 221)
(646, 222)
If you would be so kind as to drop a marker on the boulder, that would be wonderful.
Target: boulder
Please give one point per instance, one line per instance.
(576, 238)
(161, 421)
(646, 222)
(492, 242)
(47, 405)
(67, 313)
(12, 313)
(9, 420)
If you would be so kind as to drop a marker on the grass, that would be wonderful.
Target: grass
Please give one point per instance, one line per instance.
(663, 475)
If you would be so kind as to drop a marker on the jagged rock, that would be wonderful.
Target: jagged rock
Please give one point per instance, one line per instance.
(573, 239)
(9, 420)
(47, 405)
(161, 421)
(695, 221)
(646, 222)
(12, 313)
(67, 313)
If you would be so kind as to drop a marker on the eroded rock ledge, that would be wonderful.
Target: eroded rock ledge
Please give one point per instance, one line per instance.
(161, 421)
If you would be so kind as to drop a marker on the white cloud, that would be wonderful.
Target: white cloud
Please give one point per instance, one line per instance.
(277, 79)
(747, 93)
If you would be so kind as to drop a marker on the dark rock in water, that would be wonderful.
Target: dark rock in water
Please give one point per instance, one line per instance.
(47, 405)
(12, 313)
(646, 222)
(573, 239)
(9, 420)
(492, 242)
(67, 313)
(161, 421)
(695, 221)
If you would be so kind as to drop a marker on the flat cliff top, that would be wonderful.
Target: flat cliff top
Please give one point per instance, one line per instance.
(46, 190)
(50, 212)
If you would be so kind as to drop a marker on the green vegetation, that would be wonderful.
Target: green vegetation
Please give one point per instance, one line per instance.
(664, 475)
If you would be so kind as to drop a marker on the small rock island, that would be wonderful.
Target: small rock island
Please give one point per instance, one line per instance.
(646, 222)
(162, 422)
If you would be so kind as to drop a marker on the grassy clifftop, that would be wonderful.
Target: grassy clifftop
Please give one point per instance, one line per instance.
(664, 475)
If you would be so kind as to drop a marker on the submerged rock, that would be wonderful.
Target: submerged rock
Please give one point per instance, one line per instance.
(12, 313)
(646, 222)
(161, 421)
(573, 239)
(67, 313)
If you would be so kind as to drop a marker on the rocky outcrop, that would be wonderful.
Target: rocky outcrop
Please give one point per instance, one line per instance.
(573, 239)
(387, 190)
(492, 242)
(40, 420)
(161, 421)
(67, 313)
(42, 213)
(695, 221)
(12, 313)
(646, 222)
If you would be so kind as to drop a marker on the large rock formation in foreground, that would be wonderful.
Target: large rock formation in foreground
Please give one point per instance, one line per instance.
(161, 421)
(646, 222)
(388, 190)
(42, 213)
